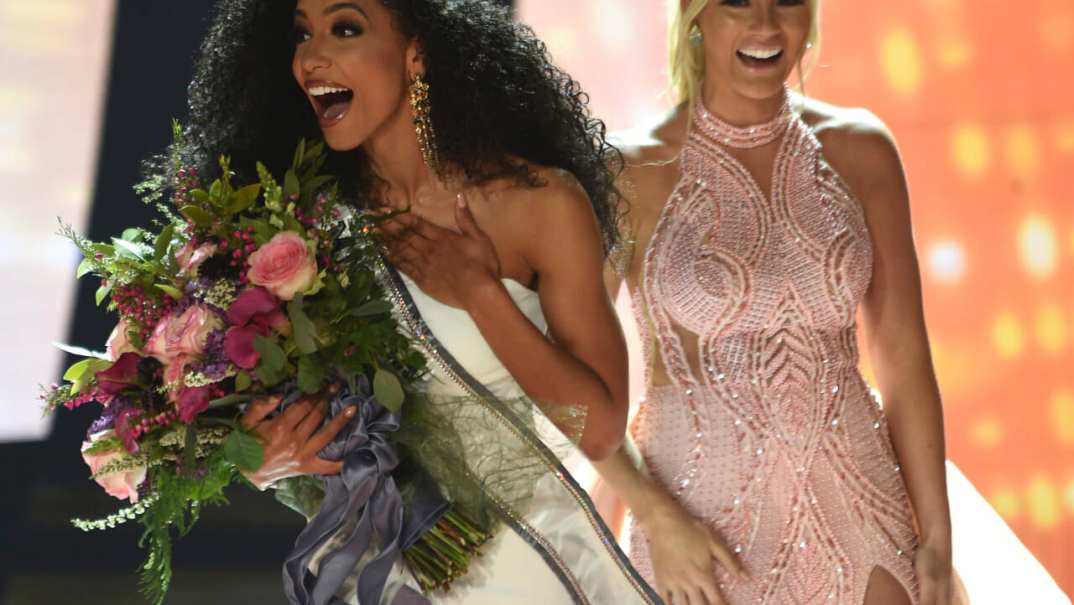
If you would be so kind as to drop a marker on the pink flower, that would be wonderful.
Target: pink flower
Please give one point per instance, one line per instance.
(284, 265)
(122, 374)
(192, 401)
(256, 312)
(118, 343)
(121, 484)
(191, 257)
(183, 335)
(174, 373)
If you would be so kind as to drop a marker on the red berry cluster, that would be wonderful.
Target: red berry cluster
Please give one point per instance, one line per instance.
(185, 180)
(138, 307)
(242, 248)
(78, 401)
(148, 424)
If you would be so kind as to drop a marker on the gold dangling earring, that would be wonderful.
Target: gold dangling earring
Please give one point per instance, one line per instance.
(421, 108)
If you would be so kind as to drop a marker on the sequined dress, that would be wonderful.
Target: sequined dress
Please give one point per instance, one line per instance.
(768, 431)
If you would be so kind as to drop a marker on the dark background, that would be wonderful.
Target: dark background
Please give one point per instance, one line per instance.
(234, 555)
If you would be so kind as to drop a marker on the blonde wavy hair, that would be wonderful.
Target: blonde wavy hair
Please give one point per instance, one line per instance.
(687, 58)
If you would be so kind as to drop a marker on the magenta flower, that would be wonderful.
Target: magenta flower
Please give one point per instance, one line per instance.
(122, 374)
(256, 312)
(193, 401)
(125, 429)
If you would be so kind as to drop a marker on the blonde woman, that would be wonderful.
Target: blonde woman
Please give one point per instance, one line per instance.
(763, 221)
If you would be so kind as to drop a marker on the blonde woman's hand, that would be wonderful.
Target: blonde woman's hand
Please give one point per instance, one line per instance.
(293, 439)
(684, 553)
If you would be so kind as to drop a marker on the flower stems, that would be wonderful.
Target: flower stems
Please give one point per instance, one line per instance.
(443, 553)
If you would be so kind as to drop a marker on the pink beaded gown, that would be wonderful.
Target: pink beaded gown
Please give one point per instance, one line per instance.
(768, 431)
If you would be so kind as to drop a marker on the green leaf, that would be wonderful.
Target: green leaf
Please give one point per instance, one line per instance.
(83, 372)
(388, 390)
(102, 292)
(242, 381)
(304, 331)
(272, 356)
(302, 494)
(311, 374)
(300, 153)
(200, 217)
(84, 267)
(263, 232)
(164, 240)
(200, 195)
(244, 198)
(244, 451)
(291, 186)
(373, 307)
(216, 193)
(129, 249)
(170, 291)
(132, 234)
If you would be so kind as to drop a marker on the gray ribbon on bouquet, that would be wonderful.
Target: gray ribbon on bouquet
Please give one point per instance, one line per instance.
(364, 491)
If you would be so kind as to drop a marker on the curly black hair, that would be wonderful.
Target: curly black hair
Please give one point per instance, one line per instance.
(496, 98)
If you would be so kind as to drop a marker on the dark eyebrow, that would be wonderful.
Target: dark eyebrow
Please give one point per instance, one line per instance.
(338, 6)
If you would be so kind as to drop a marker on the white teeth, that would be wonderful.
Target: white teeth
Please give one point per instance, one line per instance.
(324, 90)
(761, 53)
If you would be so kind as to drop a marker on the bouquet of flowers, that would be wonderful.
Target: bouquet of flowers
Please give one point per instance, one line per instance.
(243, 291)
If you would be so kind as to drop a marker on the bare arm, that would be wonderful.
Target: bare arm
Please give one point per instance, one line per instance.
(898, 341)
(584, 362)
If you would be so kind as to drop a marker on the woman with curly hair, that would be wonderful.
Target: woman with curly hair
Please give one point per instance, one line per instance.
(447, 110)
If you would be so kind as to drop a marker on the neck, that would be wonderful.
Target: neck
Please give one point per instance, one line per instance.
(395, 158)
(738, 110)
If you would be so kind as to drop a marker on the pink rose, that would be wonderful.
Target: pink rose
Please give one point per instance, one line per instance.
(174, 373)
(284, 265)
(256, 312)
(191, 257)
(122, 484)
(182, 335)
(118, 342)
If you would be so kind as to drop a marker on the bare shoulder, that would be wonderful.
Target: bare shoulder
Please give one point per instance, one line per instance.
(857, 144)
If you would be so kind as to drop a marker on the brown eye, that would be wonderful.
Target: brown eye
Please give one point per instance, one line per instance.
(346, 30)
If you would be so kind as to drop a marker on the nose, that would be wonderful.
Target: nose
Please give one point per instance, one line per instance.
(311, 56)
(764, 18)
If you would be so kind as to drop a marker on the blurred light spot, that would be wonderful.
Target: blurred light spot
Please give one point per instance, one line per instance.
(1057, 31)
(1007, 336)
(615, 28)
(1062, 416)
(1006, 503)
(987, 432)
(1022, 149)
(947, 262)
(1064, 137)
(1068, 496)
(1051, 329)
(969, 146)
(901, 61)
(1037, 245)
(1042, 499)
(955, 52)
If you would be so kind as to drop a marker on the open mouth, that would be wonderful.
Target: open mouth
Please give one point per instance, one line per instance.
(332, 101)
(760, 57)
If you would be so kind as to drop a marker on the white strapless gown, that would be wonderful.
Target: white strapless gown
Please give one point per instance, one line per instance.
(577, 561)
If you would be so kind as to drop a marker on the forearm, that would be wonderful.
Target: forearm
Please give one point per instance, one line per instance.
(915, 416)
(625, 472)
(546, 371)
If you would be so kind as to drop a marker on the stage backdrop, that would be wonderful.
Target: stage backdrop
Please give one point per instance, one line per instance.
(980, 99)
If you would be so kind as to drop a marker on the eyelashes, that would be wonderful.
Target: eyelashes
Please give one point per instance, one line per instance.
(340, 30)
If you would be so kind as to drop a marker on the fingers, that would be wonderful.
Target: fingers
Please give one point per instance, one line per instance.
(726, 557)
(309, 424)
(297, 411)
(327, 433)
(258, 410)
(694, 594)
(711, 590)
(465, 218)
(320, 466)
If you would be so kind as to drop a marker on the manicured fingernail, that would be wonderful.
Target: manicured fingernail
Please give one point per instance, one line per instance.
(461, 201)
(351, 411)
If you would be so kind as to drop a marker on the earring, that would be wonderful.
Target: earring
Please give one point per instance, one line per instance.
(421, 108)
(695, 36)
